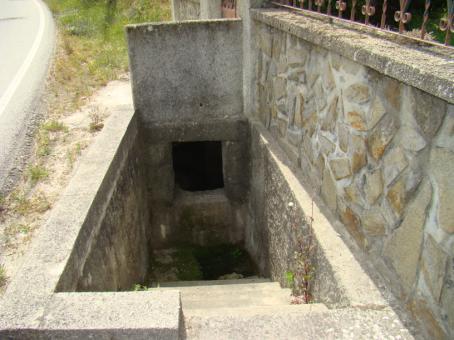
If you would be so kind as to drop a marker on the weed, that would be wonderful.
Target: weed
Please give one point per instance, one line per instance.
(3, 277)
(72, 154)
(139, 288)
(37, 173)
(96, 123)
(39, 203)
(14, 229)
(22, 205)
(305, 273)
(302, 278)
(290, 278)
(43, 143)
(54, 126)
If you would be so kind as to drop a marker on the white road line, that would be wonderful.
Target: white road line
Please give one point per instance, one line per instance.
(5, 99)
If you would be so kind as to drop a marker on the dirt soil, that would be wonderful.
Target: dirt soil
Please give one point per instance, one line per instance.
(26, 209)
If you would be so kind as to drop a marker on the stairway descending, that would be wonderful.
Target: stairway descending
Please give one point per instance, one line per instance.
(219, 309)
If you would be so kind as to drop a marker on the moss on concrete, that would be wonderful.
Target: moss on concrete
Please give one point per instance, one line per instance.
(191, 263)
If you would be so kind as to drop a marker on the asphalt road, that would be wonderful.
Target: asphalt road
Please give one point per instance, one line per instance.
(27, 39)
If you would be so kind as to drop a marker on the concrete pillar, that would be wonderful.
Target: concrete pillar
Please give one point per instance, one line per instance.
(249, 57)
(210, 9)
(175, 9)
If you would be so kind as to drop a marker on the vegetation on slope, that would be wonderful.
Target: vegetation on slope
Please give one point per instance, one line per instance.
(92, 43)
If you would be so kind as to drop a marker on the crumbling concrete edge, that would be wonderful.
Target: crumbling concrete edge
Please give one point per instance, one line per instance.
(421, 67)
(33, 307)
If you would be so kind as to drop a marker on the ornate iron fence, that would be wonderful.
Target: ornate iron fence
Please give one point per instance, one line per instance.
(391, 15)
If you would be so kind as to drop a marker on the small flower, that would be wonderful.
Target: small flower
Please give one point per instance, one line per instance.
(290, 204)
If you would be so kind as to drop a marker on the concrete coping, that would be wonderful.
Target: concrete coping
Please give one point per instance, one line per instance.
(125, 313)
(150, 26)
(426, 67)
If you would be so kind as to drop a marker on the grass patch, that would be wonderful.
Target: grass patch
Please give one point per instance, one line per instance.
(14, 229)
(37, 173)
(54, 126)
(22, 205)
(92, 43)
(42, 143)
(189, 263)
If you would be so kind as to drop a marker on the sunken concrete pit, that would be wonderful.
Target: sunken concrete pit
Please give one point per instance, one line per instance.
(185, 169)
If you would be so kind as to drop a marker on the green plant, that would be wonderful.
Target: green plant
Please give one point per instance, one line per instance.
(23, 229)
(37, 173)
(237, 253)
(290, 277)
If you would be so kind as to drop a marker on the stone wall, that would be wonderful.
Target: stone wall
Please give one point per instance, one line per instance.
(378, 150)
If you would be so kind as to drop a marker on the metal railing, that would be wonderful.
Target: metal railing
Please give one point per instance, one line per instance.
(390, 15)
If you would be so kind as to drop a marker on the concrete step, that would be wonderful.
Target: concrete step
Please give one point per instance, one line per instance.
(231, 294)
(251, 311)
(235, 323)
(313, 321)
(212, 282)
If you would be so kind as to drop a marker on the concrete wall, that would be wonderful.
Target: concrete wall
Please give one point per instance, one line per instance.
(175, 214)
(119, 256)
(40, 302)
(114, 255)
(191, 90)
(377, 148)
(186, 70)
